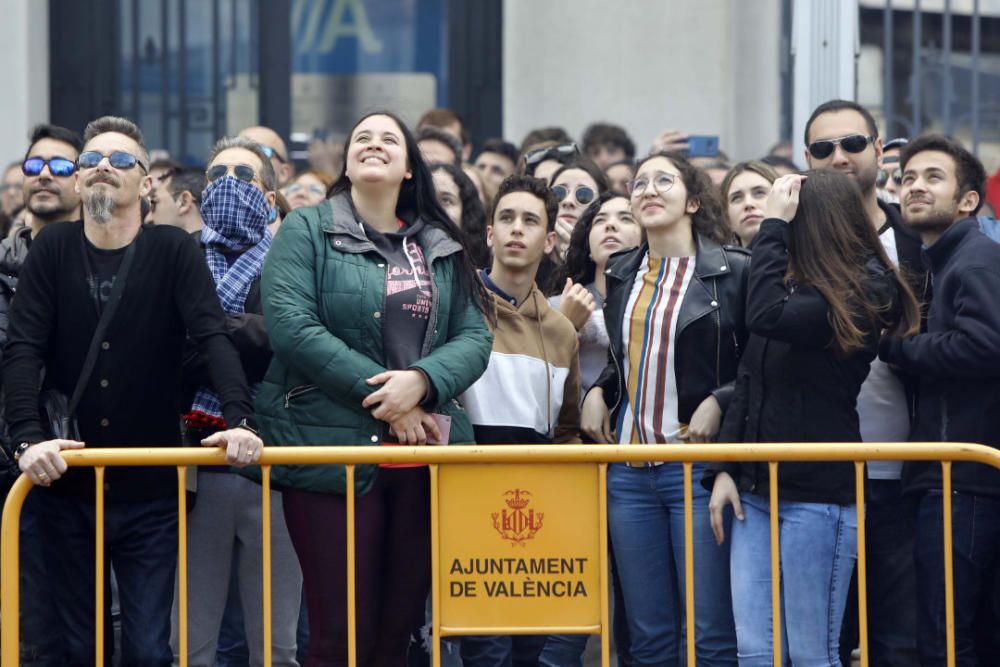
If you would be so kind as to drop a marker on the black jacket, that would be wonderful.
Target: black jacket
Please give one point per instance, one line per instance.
(132, 395)
(957, 359)
(249, 334)
(710, 331)
(791, 385)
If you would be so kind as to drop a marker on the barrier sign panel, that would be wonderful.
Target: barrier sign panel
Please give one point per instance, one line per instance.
(519, 545)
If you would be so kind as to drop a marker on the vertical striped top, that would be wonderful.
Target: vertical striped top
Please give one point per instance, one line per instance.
(649, 411)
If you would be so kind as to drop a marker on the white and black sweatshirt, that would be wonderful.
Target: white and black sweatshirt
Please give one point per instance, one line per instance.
(533, 367)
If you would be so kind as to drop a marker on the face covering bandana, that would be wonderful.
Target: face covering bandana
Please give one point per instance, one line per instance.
(235, 214)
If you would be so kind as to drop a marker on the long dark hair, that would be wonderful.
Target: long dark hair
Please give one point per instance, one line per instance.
(579, 265)
(416, 195)
(708, 220)
(473, 214)
(830, 242)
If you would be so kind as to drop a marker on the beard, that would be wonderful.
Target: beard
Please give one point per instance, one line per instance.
(936, 220)
(865, 178)
(49, 209)
(100, 206)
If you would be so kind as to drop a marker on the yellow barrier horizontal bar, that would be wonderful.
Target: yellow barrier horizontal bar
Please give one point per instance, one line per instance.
(515, 630)
(277, 455)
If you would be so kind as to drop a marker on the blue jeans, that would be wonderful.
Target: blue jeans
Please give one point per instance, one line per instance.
(646, 525)
(501, 650)
(563, 651)
(818, 548)
(976, 553)
(141, 545)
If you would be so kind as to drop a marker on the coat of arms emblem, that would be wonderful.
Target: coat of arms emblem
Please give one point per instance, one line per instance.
(517, 523)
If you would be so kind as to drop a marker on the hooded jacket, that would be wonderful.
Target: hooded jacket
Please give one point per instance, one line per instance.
(531, 388)
(957, 359)
(323, 289)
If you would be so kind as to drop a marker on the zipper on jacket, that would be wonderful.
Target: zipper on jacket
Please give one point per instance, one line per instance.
(718, 333)
(298, 391)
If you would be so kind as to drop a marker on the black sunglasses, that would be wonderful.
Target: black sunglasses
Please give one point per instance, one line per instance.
(854, 143)
(583, 194)
(270, 153)
(58, 166)
(885, 174)
(117, 159)
(560, 153)
(244, 172)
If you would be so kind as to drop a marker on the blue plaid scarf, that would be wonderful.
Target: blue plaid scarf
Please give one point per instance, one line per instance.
(236, 216)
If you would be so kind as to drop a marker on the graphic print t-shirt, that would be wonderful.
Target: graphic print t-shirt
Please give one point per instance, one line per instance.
(102, 267)
(407, 294)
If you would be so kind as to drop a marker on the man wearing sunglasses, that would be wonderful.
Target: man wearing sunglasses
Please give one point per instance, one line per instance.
(157, 275)
(48, 171)
(49, 168)
(274, 148)
(890, 176)
(842, 135)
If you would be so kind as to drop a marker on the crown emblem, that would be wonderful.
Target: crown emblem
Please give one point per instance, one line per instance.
(517, 523)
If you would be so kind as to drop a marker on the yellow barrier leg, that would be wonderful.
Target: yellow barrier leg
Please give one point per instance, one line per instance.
(859, 481)
(182, 570)
(99, 560)
(266, 509)
(436, 592)
(602, 504)
(689, 563)
(772, 468)
(11, 557)
(949, 566)
(352, 621)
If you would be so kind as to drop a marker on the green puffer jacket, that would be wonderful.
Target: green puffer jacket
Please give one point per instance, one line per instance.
(323, 289)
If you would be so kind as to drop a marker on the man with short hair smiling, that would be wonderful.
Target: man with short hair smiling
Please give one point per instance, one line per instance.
(842, 135)
(958, 363)
(74, 274)
(534, 349)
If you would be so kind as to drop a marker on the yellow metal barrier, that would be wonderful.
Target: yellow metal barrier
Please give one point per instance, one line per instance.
(99, 459)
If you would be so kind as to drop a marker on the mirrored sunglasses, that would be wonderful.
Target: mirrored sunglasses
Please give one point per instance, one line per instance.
(117, 159)
(58, 166)
(270, 153)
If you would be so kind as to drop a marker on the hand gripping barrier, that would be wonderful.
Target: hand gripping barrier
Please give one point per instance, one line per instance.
(599, 455)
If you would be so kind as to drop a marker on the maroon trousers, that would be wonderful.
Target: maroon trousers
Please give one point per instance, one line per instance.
(393, 574)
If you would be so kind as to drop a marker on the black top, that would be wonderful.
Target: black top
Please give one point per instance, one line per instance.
(407, 293)
(102, 267)
(132, 395)
(957, 359)
(791, 386)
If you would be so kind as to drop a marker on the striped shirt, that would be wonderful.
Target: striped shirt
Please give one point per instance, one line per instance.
(649, 412)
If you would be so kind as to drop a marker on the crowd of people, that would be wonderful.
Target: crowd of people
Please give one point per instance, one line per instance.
(406, 293)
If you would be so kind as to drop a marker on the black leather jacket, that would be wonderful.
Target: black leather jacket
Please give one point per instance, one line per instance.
(710, 332)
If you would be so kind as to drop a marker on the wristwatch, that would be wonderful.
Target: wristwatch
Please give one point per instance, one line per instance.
(245, 424)
(21, 449)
